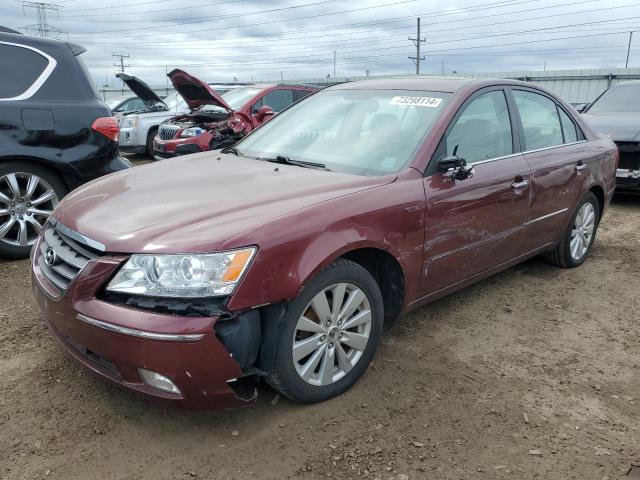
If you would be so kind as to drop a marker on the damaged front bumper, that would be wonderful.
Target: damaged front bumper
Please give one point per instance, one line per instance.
(173, 358)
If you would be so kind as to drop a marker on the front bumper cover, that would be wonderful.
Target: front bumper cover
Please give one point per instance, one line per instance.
(184, 349)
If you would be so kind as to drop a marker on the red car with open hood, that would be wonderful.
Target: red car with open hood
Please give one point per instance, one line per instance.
(219, 120)
(283, 257)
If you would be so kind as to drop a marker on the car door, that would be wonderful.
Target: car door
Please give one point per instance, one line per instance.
(558, 156)
(475, 224)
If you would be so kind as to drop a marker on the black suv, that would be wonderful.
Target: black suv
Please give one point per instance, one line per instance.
(55, 134)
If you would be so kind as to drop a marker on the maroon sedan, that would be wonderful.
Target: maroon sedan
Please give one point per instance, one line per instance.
(283, 257)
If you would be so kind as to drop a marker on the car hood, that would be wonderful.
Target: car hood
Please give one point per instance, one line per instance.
(621, 127)
(197, 203)
(140, 88)
(194, 91)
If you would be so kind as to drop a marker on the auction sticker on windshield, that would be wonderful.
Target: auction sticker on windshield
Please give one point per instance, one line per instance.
(420, 101)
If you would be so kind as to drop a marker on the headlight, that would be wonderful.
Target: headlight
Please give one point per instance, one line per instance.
(130, 121)
(185, 276)
(192, 132)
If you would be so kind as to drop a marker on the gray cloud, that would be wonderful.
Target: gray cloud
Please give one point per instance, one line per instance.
(249, 39)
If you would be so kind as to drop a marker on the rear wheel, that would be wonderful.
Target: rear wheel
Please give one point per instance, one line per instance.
(28, 195)
(575, 245)
(331, 334)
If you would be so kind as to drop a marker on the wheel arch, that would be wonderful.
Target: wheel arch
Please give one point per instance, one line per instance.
(598, 191)
(64, 173)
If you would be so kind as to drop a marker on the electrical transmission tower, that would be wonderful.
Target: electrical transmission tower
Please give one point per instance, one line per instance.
(42, 28)
(417, 42)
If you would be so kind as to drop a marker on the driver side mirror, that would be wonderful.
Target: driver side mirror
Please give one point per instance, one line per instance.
(264, 111)
(456, 166)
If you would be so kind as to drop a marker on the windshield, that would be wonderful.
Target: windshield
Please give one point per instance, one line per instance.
(620, 98)
(363, 132)
(237, 97)
(174, 101)
(112, 104)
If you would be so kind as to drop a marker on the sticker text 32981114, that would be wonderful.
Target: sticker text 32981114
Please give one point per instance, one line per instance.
(432, 102)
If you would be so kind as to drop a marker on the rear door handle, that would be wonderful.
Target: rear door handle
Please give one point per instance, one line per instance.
(519, 185)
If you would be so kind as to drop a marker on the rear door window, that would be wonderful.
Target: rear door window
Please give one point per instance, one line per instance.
(21, 69)
(568, 128)
(540, 120)
(482, 131)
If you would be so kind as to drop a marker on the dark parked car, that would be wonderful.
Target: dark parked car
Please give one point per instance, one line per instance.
(218, 121)
(616, 113)
(54, 134)
(286, 255)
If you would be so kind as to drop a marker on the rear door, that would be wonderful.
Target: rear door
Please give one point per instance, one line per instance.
(559, 158)
(475, 224)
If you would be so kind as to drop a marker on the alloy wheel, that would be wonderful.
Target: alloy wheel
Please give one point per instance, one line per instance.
(331, 334)
(582, 232)
(26, 201)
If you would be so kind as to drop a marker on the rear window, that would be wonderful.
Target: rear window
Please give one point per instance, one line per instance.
(26, 68)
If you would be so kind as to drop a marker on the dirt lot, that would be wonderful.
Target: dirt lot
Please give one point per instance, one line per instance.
(530, 374)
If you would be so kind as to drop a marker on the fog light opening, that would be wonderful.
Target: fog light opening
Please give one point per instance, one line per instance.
(158, 381)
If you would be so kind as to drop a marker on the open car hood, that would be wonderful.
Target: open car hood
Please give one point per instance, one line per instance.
(194, 91)
(140, 88)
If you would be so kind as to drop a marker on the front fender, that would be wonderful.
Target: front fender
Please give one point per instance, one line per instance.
(295, 247)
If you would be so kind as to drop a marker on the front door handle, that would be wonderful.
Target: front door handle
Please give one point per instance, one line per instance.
(519, 185)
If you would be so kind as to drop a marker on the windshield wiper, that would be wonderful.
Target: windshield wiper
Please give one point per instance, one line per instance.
(299, 163)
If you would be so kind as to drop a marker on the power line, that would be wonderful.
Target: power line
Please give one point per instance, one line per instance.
(307, 17)
(323, 30)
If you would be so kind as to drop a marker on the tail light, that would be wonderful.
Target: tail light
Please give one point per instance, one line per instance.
(107, 126)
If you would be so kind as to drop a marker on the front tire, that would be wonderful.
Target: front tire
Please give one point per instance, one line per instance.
(149, 147)
(331, 333)
(575, 245)
(28, 195)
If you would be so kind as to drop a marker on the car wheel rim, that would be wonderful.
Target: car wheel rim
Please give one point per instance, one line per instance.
(26, 201)
(582, 232)
(332, 334)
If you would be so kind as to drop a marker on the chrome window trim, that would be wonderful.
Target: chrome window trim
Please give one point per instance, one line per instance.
(544, 217)
(89, 242)
(170, 337)
(488, 160)
(35, 86)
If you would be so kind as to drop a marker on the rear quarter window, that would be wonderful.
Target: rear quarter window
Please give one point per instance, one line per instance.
(27, 66)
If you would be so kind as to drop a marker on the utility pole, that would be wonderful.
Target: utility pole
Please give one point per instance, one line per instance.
(120, 63)
(417, 41)
(626, 64)
(334, 64)
(42, 28)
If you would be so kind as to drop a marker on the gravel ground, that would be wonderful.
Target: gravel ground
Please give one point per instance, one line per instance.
(530, 374)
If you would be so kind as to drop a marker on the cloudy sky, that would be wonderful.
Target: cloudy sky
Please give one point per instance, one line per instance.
(218, 40)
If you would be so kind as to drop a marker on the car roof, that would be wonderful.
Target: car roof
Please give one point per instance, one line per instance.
(434, 84)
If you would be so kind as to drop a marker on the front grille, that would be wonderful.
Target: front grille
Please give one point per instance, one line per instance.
(167, 132)
(61, 257)
(629, 155)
